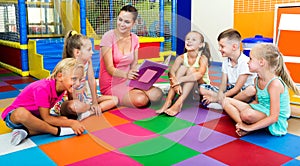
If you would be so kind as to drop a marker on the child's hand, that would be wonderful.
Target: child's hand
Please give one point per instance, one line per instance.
(77, 127)
(242, 129)
(132, 74)
(178, 89)
(95, 108)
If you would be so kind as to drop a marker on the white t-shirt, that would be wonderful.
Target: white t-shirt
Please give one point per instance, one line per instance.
(233, 72)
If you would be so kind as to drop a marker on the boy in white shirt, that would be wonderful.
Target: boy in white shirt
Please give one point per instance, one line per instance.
(237, 81)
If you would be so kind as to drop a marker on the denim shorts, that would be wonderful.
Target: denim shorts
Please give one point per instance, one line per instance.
(10, 124)
(209, 87)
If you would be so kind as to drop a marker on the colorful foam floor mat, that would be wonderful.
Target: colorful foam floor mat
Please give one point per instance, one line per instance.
(128, 136)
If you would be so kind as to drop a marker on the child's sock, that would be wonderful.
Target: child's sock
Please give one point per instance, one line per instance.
(84, 115)
(62, 131)
(18, 135)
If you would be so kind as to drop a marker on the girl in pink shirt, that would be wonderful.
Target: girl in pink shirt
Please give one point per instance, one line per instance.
(118, 65)
(29, 114)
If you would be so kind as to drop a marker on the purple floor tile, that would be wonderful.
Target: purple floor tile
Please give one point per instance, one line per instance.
(133, 114)
(199, 138)
(10, 78)
(198, 115)
(3, 83)
(200, 160)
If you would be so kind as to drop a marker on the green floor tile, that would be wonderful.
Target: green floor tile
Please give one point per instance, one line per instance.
(163, 124)
(165, 77)
(158, 151)
(8, 74)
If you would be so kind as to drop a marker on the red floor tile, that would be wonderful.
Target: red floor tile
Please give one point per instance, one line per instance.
(21, 81)
(224, 125)
(240, 153)
(6, 88)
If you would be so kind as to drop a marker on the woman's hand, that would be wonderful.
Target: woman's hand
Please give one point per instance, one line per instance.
(132, 74)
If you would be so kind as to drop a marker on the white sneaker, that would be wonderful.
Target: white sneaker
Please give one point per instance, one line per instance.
(18, 135)
(216, 106)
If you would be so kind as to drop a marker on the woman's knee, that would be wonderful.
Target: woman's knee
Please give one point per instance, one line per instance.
(140, 100)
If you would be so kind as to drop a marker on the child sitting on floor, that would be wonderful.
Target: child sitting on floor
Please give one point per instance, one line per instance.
(236, 81)
(80, 47)
(29, 114)
(188, 70)
(271, 108)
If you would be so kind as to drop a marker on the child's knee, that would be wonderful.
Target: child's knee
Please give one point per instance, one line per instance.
(246, 116)
(20, 115)
(251, 91)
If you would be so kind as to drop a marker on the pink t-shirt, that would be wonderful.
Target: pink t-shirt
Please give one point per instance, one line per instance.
(114, 85)
(41, 93)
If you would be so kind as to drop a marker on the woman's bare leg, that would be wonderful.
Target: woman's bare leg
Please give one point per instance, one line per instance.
(107, 102)
(154, 94)
(135, 98)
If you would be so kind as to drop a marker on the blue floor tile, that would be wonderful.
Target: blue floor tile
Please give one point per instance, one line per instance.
(288, 145)
(9, 94)
(32, 156)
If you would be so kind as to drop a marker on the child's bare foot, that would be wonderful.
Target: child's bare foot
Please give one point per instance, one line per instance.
(164, 107)
(174, 110)
(241, 132)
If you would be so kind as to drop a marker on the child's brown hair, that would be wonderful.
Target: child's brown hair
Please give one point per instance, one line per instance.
(73, 40)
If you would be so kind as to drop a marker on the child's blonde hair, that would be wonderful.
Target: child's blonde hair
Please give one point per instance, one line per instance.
(273, 56)
(73, 40)
(65, 65)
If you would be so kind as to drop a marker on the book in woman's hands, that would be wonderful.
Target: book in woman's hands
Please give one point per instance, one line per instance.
(149, 72)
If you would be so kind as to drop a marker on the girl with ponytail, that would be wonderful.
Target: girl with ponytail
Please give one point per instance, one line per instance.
(188, 71)
(271, 108)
